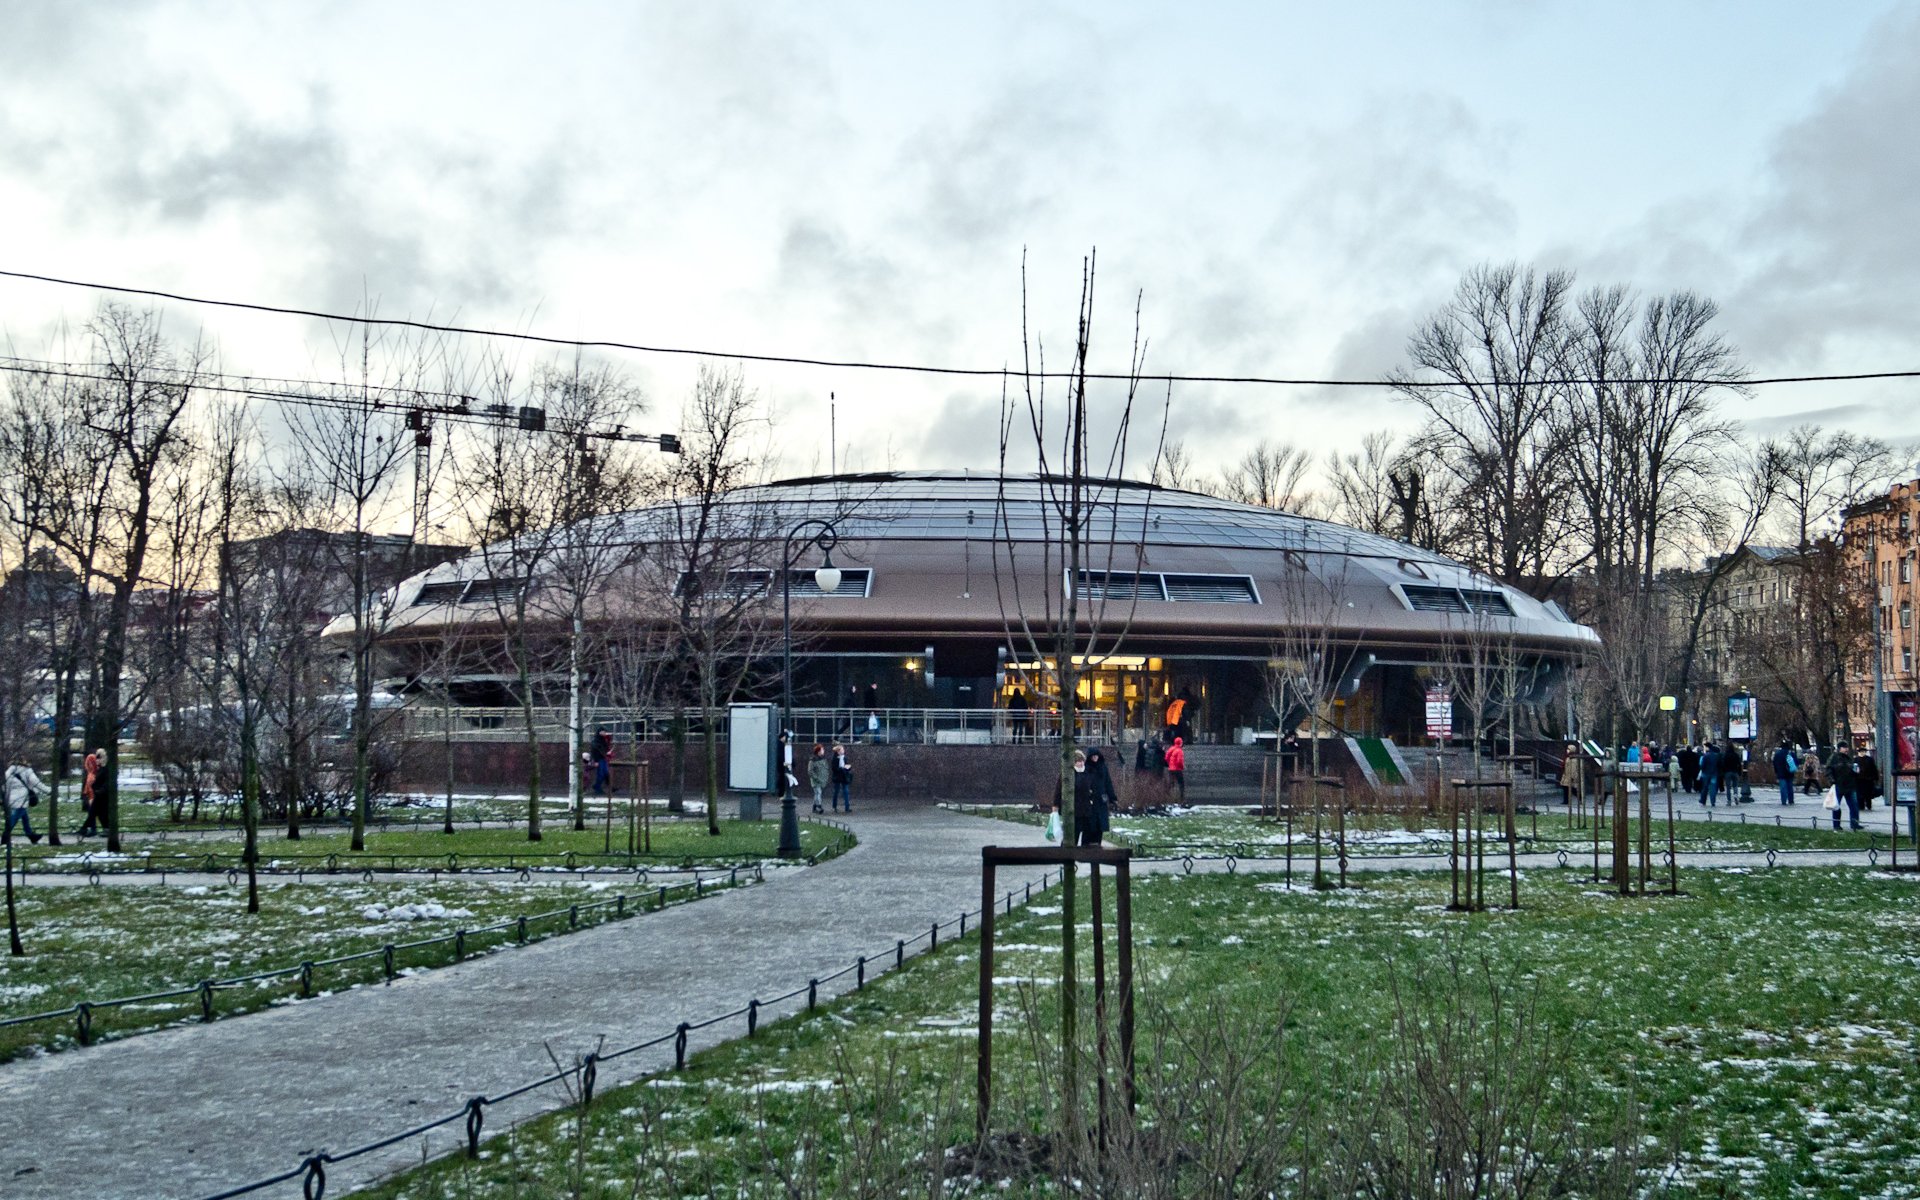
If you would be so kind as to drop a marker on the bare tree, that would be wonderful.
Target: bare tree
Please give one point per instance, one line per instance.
(1396, 488)
(356, 445)
(716, 563)
(137, 410)
(1174, 467)
(1068, 582)
(1752, 481)
(1271, 475)
(1486, 370)
(1822, 473)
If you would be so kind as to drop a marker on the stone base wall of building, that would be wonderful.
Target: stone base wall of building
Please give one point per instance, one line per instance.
(1228, 775)
(969, 773)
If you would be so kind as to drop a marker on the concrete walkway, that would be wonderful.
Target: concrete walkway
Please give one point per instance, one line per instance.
(191, 1111)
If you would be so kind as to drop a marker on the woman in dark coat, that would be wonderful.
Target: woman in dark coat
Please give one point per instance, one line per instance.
(1093, 799)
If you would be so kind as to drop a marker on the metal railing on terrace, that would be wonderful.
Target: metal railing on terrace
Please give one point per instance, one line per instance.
(869, 726)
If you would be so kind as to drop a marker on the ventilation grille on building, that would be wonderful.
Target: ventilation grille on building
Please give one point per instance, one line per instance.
(1120, 585)
(447, 592)
(1457, 600)
(1434, 599)
(1197, 589)
(1488, 602)
(1211, 589)
(494, 591)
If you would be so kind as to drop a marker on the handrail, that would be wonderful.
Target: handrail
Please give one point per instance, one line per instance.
(881, 726)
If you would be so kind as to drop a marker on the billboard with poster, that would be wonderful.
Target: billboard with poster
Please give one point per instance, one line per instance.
(1906, 730)
(1741, 726)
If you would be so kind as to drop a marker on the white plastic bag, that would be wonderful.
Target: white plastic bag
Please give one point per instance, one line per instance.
(1053, 827)
(1831, 801)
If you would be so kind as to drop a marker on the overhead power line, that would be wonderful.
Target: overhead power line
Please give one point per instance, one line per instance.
(907, 368)
(417, 404)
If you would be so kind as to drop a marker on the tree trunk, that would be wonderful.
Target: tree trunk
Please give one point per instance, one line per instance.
(576, 792)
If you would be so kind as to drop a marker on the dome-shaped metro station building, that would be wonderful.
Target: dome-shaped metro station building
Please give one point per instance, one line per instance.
(945, 574)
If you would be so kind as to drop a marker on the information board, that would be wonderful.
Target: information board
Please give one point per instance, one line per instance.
(1741, 726)
(1439, 714)
(752, 735)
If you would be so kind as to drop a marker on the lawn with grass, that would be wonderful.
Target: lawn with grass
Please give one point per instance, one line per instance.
(1755, 1038)
(1220, 830)
(96, 943)
(674, 841)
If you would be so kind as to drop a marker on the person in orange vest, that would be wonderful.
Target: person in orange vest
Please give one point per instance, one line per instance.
(1177, 766)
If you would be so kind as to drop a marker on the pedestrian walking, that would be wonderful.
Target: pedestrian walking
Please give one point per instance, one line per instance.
(819, 775)
(1569, 772)
(1840, 770)
(1689, 757)
(1733, 771)
(840, 771)
(1784, 768)
(1092, 821)
(1710, 776)
(601, 753)
(23, 790)
(90, 769)
(1177, 766)
(1866, 776)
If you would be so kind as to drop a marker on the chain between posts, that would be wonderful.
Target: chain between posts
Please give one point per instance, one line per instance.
(586, 1071)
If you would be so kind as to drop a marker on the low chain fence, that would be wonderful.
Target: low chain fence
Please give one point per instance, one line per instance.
(579, 1080)
(367, 863)
(440, 950)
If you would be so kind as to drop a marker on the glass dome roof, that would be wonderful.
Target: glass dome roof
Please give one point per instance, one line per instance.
(943, 505)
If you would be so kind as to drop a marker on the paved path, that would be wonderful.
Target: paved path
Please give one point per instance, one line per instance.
(189, 1111)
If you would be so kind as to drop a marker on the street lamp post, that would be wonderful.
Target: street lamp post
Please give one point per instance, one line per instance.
(819, 533)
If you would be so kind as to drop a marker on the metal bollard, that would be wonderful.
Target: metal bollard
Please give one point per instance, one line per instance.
(899, 953)
(933, 938)
(860, 973)
(813, 993)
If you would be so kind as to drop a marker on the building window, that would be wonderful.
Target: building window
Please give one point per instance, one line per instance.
(1906, 614)
(1906, 660)
(1903, 520)
(1906, 569)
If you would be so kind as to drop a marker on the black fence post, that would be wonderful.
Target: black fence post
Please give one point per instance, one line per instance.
(206, 999)
(83, 1022)
(680, 1047)
(475, 1118)
(813, 993)
(860, 973)
(306, 980)
(753, 1017)
(386, 960)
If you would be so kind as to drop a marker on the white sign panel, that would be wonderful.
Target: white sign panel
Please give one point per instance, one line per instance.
(1439, 713)
(751, 733)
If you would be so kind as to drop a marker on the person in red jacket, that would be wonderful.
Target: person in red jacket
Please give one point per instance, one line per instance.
(1177, 766)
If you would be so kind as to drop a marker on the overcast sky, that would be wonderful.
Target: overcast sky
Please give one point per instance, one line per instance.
(1289, 186)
